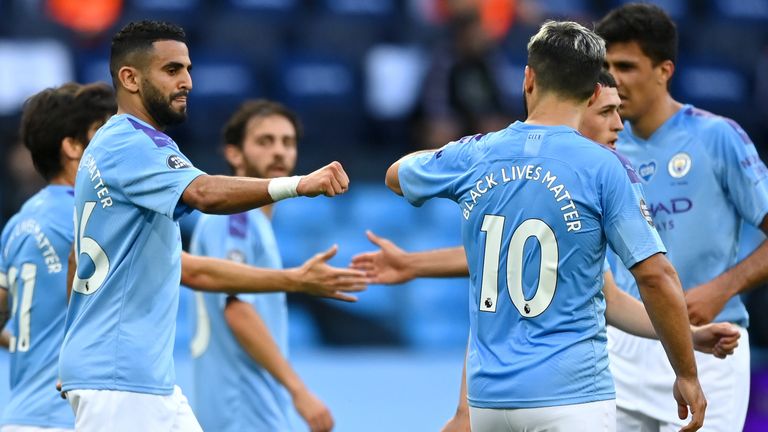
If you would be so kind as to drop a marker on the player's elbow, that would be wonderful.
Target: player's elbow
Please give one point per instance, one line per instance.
(392, 179)
(201, 195)
(236, 313)
(192, 273)
(655, 273)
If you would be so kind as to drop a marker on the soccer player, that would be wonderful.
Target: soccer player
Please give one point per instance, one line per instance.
(33, 255)
(704, 178)
(392, 265)
(56, 126)
(242, 348)
(132, 185)
(540, 201)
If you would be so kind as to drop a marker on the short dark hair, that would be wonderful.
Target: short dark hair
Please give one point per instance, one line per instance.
(605, 79)
(235, 128)
(566, 58)
(136, 37)
(644, 23)
(63, 112)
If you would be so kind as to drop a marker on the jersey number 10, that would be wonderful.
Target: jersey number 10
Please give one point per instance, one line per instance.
(493, 227)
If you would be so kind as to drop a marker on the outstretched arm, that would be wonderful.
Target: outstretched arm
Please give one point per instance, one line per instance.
(392, 265)
(226, 195)
(314, 277)
(254, 337)
(628, 314)
(392, 179)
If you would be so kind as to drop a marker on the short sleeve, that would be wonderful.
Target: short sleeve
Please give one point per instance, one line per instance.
(154, 177)
(606, 265)
(626, 218)
(434, 174)
(743, 175)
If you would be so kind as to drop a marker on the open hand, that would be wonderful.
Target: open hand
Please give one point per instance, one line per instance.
(318, 278)
(689, 397)
(388, 265)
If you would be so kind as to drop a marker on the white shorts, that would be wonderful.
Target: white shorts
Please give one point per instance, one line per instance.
(644, 379)
(121, 411)
(587, 417)
(634, 421)
(25, 428)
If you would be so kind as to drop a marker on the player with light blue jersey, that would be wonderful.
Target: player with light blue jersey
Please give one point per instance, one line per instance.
(712, 176)
(704, 181)
(132, 185)
(241, 343)
(567, 210)
(539, 204)
(56, 125)
(127, 205)
(35, 246)
(246, 396)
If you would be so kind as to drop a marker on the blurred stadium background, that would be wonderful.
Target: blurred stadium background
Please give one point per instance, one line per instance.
(371, 80)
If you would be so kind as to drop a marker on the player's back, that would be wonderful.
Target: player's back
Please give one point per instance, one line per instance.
(538, 204)
(122, 315)
(246, 396)
(35, 247)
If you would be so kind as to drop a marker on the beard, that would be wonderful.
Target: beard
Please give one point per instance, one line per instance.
(265, 172)
(160, 108)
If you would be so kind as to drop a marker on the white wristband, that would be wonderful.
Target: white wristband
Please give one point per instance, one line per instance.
(283, 187)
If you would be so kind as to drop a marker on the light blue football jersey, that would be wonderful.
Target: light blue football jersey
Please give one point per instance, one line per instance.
(121, 321)
(34, 249)
(703, 179)
(750, 238)
(539, 204)
(232, 392)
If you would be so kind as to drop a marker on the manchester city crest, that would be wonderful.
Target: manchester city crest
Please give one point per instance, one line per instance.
(679, 165)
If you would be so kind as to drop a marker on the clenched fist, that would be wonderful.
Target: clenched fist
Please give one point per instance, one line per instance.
(330, 180)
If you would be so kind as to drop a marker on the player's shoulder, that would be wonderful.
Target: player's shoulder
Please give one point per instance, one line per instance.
(464, 148)
(588, 153)
(124, 130)
(9, 227)
(712, 128)
(606, 162)
(52, 204)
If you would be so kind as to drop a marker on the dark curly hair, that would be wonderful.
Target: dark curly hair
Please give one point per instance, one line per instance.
(235, 128)
(644, 23)
(137, 37)
(62, 112)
